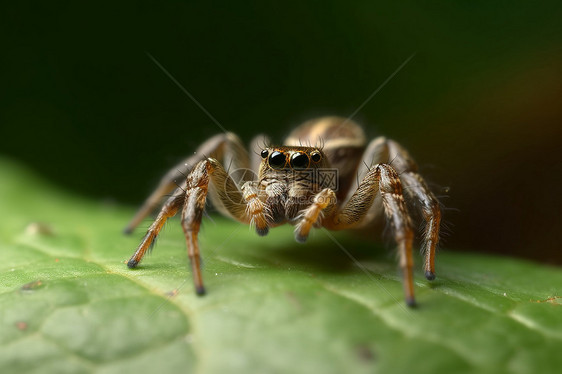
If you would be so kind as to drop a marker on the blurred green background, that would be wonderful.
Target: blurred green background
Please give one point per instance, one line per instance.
(479, 105)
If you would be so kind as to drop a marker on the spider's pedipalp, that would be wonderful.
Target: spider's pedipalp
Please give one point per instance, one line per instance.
(313, 214)
(255, 209)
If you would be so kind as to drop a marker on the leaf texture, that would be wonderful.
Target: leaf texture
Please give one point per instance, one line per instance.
(69, 304)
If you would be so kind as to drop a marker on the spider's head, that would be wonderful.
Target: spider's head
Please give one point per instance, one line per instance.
(292, 175)
(280, 160)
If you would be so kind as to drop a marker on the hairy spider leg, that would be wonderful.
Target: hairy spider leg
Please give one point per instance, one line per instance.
(382, 179)
(192, 213)
(226, 147)
(239, 204)
(417, 191)
(381, 150)
(169, 209)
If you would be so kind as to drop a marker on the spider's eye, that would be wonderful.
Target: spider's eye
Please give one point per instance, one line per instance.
(315, 156)
(264, 153)
(299, 161)
(277, 160)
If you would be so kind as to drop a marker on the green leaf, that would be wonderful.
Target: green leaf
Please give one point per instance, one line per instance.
(69, 304)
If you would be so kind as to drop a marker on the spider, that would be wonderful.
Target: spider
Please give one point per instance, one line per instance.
(306, 186)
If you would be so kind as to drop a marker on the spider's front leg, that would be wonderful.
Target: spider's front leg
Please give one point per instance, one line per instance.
(226, 147)
(383, 179)
(424, 200)
(240, 205)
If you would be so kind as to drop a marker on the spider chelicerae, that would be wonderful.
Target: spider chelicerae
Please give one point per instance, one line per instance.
(307, 182)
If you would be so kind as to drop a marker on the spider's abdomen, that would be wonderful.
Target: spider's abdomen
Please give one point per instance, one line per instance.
(342, 141)
(326, 133)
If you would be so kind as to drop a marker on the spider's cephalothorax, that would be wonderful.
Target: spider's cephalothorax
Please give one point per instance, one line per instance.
(308, 182)
(288, 179)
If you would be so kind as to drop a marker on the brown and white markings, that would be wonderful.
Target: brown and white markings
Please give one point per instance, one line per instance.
(307, 182)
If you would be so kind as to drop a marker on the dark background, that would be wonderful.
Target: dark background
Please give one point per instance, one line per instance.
(479, 106)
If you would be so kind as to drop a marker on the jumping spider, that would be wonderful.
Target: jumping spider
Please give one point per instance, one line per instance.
(293, 185)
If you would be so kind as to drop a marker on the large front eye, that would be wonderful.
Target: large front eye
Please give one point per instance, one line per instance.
(277, 160)
(299, 161)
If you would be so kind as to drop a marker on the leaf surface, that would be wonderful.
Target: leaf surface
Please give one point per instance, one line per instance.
(69, 304)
